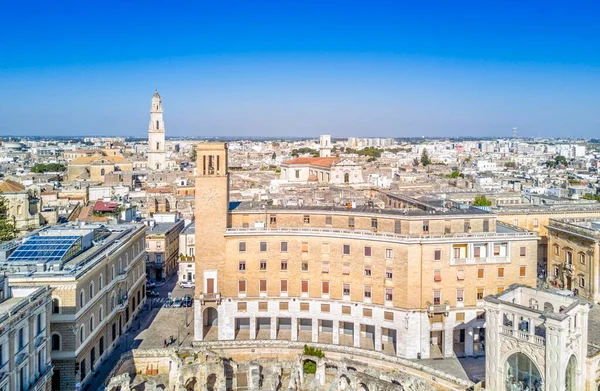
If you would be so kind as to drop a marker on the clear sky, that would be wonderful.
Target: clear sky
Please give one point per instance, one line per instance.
(267, 68)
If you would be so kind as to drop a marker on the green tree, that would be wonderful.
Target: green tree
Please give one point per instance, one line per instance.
(510, 164)
(194, 154)
(425, 160)
(51, 167)
(8, 231)
(481, 200)
(274, 156)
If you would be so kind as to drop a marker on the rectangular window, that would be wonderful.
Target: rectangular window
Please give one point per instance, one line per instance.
(486, 225)
(242, 266)
(437, 255)
(262, 285)
(306, 219)
(367, 251)
(284, 306)
(477, 252)
(426, 226)
(263, 306)
(460, 294)
(284, 286)
(535, 223)
(346, 310)
(304, 285)
(479, 293)
(284, 265)
(273, 219)
(242, 247)
(242, 306)
(496, 251)
(346, 290)
(437, 275)
(389, 253)
(304, 247)
(523, 251)
(500, 272)
(397, 227)
(304, 266)
(263, 265)
(467, 225)
(437, 297)
(374, 223)
(555, 249)
(325, 287)
(389, 274)
(460, 274)
(516, 222)
(480, 273)
(367, 271)
(389, 294)
(328, 220)
(346, 249)
(582, 281)
(325, 308)
(346, 269)
(500, 289)
(367, 313)
(456, 253)
(522, 271)
(582, 258)
(388, 315)
(367, 292)
(304, 307)
(350, 222)
(297, 174)
(284, 247)
(241, 286)
(481, 315)
(325, 267)
(263, 247)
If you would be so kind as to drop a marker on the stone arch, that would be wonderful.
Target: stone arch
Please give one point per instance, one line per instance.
(55, 342)
(520, 368)
(210, 316)
(191, 384)
(211, 382)
(571, 374)
(344, 382)
(362, 387)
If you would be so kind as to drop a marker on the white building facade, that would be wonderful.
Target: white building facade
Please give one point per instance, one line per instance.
(156, 136)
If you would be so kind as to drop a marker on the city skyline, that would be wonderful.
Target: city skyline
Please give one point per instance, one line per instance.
(266, 69)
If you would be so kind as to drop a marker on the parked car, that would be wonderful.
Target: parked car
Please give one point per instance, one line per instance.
(150, 284)
(153, 294)
(177, 302)
(187, 301)
(168, 303)
(187, 284)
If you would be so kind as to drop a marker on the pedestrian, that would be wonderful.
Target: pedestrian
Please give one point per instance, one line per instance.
(164, 343)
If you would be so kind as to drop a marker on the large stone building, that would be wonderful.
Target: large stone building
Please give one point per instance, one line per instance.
(98, 278)
(24, 330)
(156, 136)
(410, 284)
(95, 168)
(162, 246)
(540, 341)
(23, 207)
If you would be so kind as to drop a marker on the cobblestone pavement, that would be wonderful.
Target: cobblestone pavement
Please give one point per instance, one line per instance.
(151, 327)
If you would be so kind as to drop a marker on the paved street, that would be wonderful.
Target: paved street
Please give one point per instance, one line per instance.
(153, 325)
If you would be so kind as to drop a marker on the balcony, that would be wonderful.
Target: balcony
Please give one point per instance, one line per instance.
(433, 309)
(478, 261)
(522, 335)
(210, 297)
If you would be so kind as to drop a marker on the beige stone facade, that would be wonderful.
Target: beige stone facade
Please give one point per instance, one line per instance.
(162, 247)
(409, 284)
(96, 167)
(94, 300)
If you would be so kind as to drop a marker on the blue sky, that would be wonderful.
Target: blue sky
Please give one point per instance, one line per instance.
(268, 68)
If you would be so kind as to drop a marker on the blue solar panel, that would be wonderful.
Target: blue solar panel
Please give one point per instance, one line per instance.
(44, 249)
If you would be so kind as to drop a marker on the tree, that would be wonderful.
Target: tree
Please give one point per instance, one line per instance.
(273, 156)
(510, 164)
(425, 161)
(481, 200)
(194, 154)
(8, 231)
(51, 167)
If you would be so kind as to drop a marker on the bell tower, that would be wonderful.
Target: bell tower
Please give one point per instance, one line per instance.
(156, 136)
(211, 220)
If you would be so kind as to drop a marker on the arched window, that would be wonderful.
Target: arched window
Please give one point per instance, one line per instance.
(120, 266)
(571, 375)
(346, 178)
(112, 301)
(91, 324)
(91, 289)
(100, 314)
(569, 256)
(55, 305)
(519, 369)
(112, 272)
(55, 341)
(81, 334)
(100, 282)
(81, 298)
(19, 210)
(548, 307)
(102, 172)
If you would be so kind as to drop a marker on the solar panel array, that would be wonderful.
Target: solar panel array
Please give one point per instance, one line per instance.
(43, 248)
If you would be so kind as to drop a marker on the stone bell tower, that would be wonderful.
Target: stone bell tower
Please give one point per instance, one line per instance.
(156, 136)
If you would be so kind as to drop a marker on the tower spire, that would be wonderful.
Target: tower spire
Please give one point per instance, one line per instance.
(156, 135)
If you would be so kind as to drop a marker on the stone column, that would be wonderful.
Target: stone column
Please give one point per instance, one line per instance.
(356, 335)
(198, 321)
(378, 339)
(252, 327)
(469, 342)
(273, 327)
(336, 332)
(315, 330)
(555, 350)
(294, 329)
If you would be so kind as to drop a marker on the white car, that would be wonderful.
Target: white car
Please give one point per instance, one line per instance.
(187, 284)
